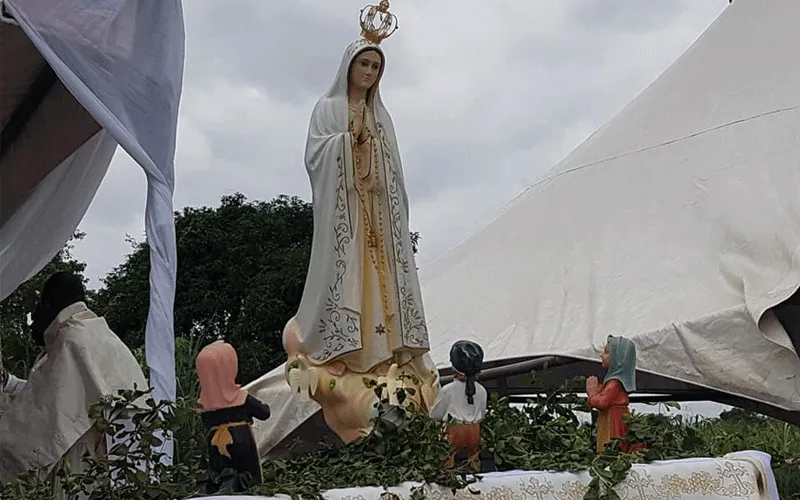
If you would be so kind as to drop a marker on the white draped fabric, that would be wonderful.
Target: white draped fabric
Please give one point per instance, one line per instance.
(49, 216)
(743, 475)
(83, 362)
(122, 60)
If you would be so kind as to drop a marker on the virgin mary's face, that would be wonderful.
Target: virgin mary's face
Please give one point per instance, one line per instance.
(606, 358)
(365, 69)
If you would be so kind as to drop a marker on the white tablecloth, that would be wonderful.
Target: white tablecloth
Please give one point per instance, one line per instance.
(745, 475)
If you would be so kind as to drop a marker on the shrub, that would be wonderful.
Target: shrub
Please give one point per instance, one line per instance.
(544, 434)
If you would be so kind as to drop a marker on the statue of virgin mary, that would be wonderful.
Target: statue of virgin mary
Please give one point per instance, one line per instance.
(361, 311)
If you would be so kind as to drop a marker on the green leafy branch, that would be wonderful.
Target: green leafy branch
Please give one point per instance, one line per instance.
(408, 446)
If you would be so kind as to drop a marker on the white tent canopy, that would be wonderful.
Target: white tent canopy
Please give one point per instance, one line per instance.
(677, 224)
(80, 77)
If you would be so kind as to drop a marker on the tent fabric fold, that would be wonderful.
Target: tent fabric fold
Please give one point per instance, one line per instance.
(42, 145)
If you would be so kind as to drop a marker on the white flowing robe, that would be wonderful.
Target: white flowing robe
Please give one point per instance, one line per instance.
(340, 315)
(49, 418)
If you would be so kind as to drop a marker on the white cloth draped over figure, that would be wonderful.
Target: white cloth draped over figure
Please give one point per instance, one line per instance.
(344, 311)
(48, 419)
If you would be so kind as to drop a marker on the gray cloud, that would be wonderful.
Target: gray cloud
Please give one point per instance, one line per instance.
(451, 163)
(276, 49)
(293, 49)
(626, 17)
(119, 200)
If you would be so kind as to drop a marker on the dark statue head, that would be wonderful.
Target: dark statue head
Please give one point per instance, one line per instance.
(62, 289)
(467, 360)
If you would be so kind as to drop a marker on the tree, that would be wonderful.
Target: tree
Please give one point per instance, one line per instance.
(241, 270)
(740, 415)
(19, 351)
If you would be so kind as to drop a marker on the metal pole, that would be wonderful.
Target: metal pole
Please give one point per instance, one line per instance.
(518, 368)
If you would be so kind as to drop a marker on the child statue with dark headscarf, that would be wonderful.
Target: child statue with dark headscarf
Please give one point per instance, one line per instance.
(611, 397)
(462, 403)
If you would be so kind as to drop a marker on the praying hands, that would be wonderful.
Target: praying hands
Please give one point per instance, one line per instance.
(592, 386)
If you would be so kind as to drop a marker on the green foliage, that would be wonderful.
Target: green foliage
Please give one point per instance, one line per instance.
(408, 446)
(543, 435)
(754, 432)
(134, 476)
(18, 349)
(740, 415)
(547, 435)
(383, 458)
(189, 434)
(241, 271)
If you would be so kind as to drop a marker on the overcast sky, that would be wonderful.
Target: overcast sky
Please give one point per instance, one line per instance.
(486, 96)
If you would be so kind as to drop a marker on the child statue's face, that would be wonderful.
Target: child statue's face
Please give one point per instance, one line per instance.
(606, 356)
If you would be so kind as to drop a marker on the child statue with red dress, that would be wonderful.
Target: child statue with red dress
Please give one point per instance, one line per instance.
(227, 411)
(611, 398)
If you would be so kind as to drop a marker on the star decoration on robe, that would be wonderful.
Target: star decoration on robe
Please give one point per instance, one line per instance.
(380, 329)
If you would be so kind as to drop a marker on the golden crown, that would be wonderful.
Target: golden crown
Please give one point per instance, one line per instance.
(377, 23)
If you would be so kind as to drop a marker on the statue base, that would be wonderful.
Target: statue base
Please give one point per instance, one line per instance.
(349, 399)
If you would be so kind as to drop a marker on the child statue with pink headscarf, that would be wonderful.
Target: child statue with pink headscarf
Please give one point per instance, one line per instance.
(227, 412)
